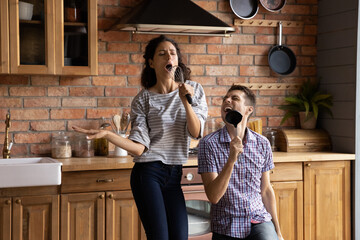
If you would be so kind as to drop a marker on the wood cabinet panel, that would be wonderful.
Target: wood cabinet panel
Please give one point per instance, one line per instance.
(287, 172)
(83, 216)
(87, 181)
(4, 37)
(123, 222)
(5, 218)
(36, 217)
(289, 205)
(327, 200)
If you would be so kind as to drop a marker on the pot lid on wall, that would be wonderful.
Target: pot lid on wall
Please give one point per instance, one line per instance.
(176, 17)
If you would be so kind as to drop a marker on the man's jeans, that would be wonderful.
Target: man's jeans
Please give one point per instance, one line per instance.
(260, 231)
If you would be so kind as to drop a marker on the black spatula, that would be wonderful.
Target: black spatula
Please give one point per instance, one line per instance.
(233, 117)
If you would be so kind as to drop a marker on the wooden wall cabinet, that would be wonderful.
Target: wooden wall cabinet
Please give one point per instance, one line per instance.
(88, 213)
(29, 217)
(49, 44)
(4, 37)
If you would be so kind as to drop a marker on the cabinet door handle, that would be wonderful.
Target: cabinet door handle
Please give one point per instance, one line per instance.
(101, 196)
(308, 164)
(111, 195)
(18, 201)
(104, 180)
(7, 202)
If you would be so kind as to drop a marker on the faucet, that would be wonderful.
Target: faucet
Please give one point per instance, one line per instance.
(7, 145)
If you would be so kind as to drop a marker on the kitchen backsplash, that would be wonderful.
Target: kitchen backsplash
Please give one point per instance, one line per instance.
(42, 105)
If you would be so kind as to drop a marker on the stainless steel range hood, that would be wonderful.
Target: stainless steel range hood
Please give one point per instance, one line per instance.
(176, 17)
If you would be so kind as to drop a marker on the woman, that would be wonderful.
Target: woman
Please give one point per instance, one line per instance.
(162, 121)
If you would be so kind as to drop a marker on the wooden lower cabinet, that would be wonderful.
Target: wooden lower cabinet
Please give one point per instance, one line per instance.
(29, 218)
(327, 203)
(99, 215)
(289, 205)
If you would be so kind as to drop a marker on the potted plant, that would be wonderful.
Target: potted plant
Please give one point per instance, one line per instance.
(307, 103)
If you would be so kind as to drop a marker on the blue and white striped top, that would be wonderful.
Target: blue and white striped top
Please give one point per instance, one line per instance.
(158, 121)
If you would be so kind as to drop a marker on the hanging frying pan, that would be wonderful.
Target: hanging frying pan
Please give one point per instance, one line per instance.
(273, 5)
(244, 9)
(281, 59)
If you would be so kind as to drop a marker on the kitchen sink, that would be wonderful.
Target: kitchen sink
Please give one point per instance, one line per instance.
(29, 172)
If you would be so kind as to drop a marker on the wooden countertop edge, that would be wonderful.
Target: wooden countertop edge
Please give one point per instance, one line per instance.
(107, 163)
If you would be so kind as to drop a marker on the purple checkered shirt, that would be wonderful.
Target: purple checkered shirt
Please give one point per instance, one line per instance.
(242, 200)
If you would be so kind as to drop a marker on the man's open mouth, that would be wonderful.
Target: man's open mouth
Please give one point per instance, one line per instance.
(228, 109)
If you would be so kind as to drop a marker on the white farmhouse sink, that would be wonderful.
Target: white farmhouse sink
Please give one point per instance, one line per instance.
(28, 172)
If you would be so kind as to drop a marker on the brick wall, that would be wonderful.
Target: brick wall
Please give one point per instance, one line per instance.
(41, 105)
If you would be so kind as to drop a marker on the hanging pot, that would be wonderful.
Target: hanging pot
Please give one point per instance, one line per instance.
(281, 59)
(273, 5)
(244, 9)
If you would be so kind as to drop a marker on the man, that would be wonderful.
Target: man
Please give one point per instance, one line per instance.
(234, 164)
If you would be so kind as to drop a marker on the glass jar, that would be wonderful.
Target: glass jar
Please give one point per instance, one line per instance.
(270, 134)
(83, 147)
(101, 147)
(60, 146)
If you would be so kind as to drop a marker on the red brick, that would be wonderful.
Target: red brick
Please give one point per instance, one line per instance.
(114, 102)
(98, 113)
(18, 150)
(305, 61)
(275, 122)
(308, 71)
(214, 111)
(42, 102)
(258, 30)
(221, 70)
(253, 50)
(113, 58)
(123, 47)
(134, 81)
(115, 36)
(265, 39)
(268, 111)
(87, 91)
(222, 49)
(254, 71)
(40, 149)
(204, 80)
(296, 9)
(263, 101)
(311, 50)
(79, 102)
(57, 91)
(114, 12)
(207, 5)
(14, 80)
(267, 92)
(102, 46)
(27, 91)
(74, 81)
(39, 126)
(10, 102)
(192, 48)
(263, 80)
(237, 60)
(217, 101)
(201, 39)
(87, 124)
(104, 23)
(128, 69)
(261, 60)
(301, 40)
(4, 91)
(215, 91)
(44, 80)
(67, 113)
(197, 70)
(32, 138)
(205, 59)
(224, 6)
(29, 114)
(230, 80)
(17, 126)
(121, 92)
(137, 58)
(109, 81)
(106, 69)
(278, 101)
(240, 39)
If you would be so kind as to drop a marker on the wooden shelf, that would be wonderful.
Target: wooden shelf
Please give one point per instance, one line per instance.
(267, 23)
(271, 86)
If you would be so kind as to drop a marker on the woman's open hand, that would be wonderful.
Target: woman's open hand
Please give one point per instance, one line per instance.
(91, 133)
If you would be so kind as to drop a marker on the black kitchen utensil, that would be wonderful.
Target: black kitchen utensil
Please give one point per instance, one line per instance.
(233, 117)
(281, 59)
(244, 9)
(273, 5)
(179, 77)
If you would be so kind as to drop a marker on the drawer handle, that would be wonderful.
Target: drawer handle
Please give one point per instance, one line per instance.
(272, 171)
(308, 164)
(18, 201)
(104, 180)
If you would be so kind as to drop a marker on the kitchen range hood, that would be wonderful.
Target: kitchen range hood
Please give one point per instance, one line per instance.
(176, 17)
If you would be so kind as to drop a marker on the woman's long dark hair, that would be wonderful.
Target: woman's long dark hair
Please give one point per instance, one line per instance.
(148, 76)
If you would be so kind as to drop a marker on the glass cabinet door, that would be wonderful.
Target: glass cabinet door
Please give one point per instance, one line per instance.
(76, 37)
(32, 36)
(4, 37)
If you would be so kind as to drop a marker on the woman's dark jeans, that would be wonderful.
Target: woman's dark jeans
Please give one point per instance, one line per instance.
(160, 200)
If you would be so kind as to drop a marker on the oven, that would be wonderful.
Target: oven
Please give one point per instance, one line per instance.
(197, 205)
